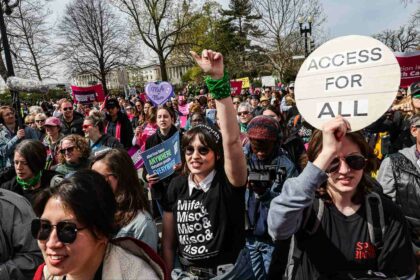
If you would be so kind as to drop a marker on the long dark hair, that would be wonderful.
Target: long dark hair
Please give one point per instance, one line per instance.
(130, 194)
(364, 187)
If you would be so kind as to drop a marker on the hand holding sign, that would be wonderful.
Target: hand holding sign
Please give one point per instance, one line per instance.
(159, 93)
(356, 77)
(210, 62)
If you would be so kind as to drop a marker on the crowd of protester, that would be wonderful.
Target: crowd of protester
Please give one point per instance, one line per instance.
(260, 193)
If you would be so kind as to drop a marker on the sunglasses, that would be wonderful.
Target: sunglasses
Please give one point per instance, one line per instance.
(68, 108)
(86, 126)
(355, 162)
(400, 97)
(236, 103)
(69, 150)
(39, 121)
(243, 113)
(66, 231)
(202, 150)
(29, 123)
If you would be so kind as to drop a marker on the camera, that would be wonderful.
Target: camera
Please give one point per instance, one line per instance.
(262, 177)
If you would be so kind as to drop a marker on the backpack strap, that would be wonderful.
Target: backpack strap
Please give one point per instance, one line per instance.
(313, 216)
(375, 219)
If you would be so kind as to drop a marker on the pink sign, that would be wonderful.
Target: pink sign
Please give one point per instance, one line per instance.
(135, 154)
(410, 67)
(235, 87)
(183, 121)
(88, 94)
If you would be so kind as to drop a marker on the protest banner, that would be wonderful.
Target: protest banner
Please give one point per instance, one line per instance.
(159, 92)
(211, 115)
(245, 82)
(235, 87)
(410, 67)
(135, 154)
(86, 95)
(161, 159)
(268, 81)
(354, 76)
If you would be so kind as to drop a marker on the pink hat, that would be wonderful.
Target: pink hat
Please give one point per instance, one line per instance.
(53, 121)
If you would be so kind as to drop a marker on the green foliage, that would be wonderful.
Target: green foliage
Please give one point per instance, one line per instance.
(32, 98)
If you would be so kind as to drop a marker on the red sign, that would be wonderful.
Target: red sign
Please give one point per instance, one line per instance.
(87, 95)
(410, 67)
(235, 87)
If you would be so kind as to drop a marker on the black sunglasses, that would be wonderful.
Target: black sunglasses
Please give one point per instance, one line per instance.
(355, 162)
(69, 149)
(68, 108)
(202, 150)
(66, 231)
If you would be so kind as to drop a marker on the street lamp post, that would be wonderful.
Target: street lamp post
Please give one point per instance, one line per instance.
(6, 7)
(305, 30)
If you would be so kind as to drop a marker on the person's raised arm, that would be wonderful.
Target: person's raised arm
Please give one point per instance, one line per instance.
(219, 86)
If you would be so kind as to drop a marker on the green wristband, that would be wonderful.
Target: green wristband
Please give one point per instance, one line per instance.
(219, 89)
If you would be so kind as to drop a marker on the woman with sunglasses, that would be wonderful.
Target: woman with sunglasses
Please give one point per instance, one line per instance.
(336, 180)
(75, 152)
(244, 115)
(94, 129)
(204, 208)
(30, 176)
(74, 231)
(165, 119)
(132, 217)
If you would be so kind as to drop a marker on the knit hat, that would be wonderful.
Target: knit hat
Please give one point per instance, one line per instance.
(263, 128)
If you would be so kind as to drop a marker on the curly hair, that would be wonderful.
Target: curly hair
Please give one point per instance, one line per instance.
(80, 143)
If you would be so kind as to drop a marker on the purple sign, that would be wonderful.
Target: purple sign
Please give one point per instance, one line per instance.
(135, 154)
(159, 93)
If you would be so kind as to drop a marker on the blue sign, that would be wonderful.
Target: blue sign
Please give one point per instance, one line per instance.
(162, 158)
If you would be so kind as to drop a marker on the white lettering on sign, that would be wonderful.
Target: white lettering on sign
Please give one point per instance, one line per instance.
(347, 108)
(84, 98)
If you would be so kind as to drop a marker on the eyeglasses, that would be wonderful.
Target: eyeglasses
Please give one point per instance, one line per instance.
(243, 113)
(86, 126)
(202, 150)
(68, 108)
(39, 121)
(66, 231)
(355, 162)
(29, 123)
(69, 150)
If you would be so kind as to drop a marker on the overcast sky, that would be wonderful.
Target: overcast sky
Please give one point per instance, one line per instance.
(344, 17)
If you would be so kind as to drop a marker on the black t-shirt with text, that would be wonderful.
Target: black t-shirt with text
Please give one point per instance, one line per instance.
(209, 225)
(342, 244)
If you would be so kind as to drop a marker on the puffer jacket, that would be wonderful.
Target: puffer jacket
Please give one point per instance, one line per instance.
(125, 258)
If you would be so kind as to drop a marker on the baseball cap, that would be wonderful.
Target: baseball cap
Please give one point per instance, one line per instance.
(53, 121)
(112, 103)
(414, 89)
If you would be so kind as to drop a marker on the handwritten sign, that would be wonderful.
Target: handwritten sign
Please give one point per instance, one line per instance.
(159, 93)
(356, 77)
(161, 159)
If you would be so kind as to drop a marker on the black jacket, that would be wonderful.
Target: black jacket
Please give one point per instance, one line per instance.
(19, 252)
(75, 126)
(12, 185)
(127, 132)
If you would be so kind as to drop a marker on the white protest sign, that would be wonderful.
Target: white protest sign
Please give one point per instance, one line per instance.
(268, 81)
(354, 76)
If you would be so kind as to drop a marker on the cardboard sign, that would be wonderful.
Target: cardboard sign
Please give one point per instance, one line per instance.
(159, 93)
(235, 88)
(161, 159)
(410, 67)
(268, 81)
(135, 154)
(245, 82)
(354, 76)
(86, 95)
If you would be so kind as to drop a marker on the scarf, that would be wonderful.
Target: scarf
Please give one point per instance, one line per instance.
(26, 185)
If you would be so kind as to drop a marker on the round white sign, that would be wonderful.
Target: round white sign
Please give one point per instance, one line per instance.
(354, 76)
